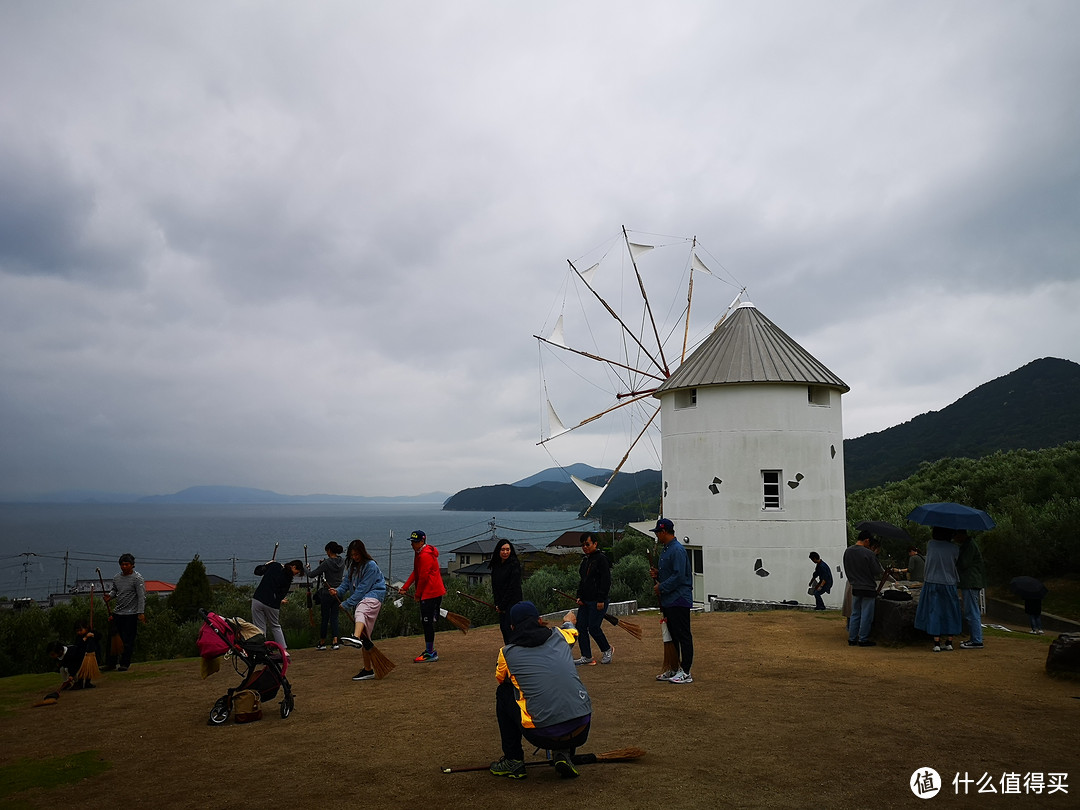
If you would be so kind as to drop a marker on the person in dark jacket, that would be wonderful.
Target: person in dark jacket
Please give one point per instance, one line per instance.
(592, 599)
(505, 583)
(330, 570)
(822, 581)
(540, 696)
(269, 596)
(971, 579)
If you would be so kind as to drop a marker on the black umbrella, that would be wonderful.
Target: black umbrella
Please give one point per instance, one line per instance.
(951, 516)
(883, 529)
(1028, 588)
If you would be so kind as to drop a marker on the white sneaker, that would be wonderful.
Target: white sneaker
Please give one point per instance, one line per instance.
(666, 676)
(681, 677)
(606, 657)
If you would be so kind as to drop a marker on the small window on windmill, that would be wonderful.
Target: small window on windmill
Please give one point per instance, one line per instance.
(818, 395)
(686, 398)
(770, 489)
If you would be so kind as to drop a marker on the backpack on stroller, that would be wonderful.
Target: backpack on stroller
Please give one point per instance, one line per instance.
(264, 664)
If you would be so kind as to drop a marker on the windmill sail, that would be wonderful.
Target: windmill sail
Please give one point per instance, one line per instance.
(590, 491)
(621, 328)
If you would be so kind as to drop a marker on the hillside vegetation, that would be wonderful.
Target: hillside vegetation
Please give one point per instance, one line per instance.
(1032, 408)
(1033, 496)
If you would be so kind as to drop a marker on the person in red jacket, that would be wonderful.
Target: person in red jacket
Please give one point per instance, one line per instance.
(429, 591)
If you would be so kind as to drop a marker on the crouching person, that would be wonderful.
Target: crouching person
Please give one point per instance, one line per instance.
(540, 696)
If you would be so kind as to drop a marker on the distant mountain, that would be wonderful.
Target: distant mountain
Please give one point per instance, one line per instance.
(215, 494)
(1032, 408)
(562, 475)
(626, 491)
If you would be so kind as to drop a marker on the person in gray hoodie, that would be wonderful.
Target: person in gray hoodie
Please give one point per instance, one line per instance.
(330, 570)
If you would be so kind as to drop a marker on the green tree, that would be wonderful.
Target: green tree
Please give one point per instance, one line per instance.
(192, 592)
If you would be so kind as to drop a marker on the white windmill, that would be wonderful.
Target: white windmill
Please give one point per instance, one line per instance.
(749, 428)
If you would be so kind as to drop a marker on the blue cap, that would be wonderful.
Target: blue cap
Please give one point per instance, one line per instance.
(665, 524)
(522, 611)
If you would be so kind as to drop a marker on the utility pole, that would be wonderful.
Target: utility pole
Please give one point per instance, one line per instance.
(66, 553)
(390, 563)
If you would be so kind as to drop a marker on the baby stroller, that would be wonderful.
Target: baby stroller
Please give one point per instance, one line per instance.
(265, 663)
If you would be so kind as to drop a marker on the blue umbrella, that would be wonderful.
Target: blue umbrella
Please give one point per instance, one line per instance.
(951, 516)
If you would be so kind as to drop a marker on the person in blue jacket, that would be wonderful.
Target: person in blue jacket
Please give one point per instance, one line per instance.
(365, 585)
(674, 579)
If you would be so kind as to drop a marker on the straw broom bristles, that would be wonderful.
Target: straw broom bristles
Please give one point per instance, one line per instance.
(379, 662)
(629, 627)
(671, 655)
(89, 670)
(462, 623)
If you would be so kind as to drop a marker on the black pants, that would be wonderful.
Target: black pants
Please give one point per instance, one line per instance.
(504, 625)
(678, 624)
(511, 731)
(328, 616)
(125, 625)
(429, 614)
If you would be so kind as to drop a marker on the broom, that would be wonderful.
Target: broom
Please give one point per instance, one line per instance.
(460, 622)
(629, 627)
(380, 664)
(116, 644)
(307, 576)
(475, 599)
(619, 755)
(671, 655)
(89, 669)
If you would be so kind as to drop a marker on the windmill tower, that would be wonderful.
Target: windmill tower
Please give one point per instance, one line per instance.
(753, 464)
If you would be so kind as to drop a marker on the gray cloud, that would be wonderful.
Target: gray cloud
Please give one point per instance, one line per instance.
(305, 249)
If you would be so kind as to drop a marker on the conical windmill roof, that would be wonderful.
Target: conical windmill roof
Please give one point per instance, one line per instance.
(749, 348)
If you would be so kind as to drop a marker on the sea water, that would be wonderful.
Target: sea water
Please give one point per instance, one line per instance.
(45, 548)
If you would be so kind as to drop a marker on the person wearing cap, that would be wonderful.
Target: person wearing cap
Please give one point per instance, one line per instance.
(862, 569)
(429, 591)
(540, 696)
(674, 580)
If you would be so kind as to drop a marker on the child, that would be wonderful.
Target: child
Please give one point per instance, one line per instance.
(71, 657)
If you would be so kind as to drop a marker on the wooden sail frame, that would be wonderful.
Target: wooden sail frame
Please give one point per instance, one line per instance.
(657, 369)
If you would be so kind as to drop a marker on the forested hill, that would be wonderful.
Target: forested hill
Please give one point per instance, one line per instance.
(628, 491)
(1034, 407)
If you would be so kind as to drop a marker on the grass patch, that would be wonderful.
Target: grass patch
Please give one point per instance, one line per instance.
(46, 774)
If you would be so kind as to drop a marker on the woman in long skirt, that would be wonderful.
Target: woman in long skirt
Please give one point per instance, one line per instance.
(938, 613)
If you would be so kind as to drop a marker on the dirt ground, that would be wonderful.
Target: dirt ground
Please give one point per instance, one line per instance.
(782, 713)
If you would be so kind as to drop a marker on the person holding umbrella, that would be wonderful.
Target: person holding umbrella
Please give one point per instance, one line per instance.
(971, 574)
(938, 613)
(1032, 592)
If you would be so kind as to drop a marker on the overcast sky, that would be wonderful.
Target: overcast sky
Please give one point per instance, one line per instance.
(305, 246)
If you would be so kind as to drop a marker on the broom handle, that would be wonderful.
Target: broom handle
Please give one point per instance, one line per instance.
(274, 555)
(607, 616)
(578, 759)
(108, 607)
(481, 601)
